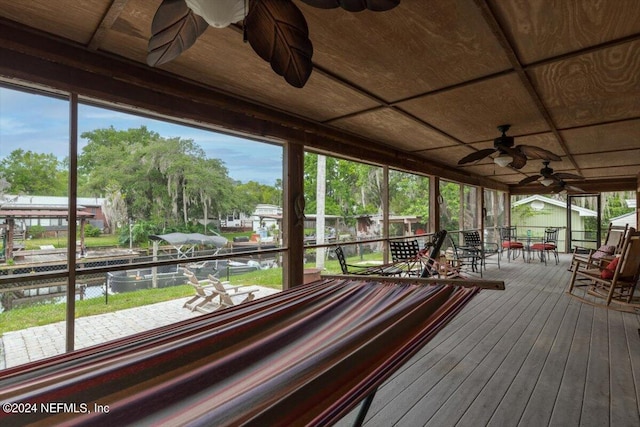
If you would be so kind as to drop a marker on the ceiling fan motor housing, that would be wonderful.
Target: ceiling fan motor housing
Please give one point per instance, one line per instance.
(503, 141)
(546, 170)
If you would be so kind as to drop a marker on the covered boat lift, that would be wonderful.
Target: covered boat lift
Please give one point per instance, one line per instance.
(185, 243)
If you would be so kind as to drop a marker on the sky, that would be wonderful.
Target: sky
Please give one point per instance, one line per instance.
(41, 124)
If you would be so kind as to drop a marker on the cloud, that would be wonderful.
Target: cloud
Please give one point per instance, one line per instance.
(41, 124)
(12, 126)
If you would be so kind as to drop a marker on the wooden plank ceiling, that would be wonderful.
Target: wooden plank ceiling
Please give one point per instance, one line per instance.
(431, 78)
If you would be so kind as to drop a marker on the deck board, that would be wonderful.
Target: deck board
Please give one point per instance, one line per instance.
(490, 369)
(526, 356)
(622, 388)
(466, 346)
(568, 404)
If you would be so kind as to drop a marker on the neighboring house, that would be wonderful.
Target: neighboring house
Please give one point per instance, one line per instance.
(626, 219)
(48, 211)
(369, 226)
(266, 216)
(630, 218)
(547, 212)
(235, 220)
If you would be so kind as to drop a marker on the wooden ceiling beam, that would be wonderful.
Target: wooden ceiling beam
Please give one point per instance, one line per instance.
(109, 18)
(590, 186)
(40, 59)
(491, 20)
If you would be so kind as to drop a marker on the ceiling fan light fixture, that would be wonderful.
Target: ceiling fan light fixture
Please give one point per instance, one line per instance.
(546, 181)
(503, 160)
(218, 13)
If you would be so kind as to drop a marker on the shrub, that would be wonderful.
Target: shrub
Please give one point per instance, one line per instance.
(37, 231)
(91, 231)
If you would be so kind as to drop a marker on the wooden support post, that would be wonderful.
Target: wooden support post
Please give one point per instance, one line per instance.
(293, 223)
(8, 252)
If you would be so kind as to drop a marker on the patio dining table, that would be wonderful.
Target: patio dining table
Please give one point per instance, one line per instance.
(526, 241)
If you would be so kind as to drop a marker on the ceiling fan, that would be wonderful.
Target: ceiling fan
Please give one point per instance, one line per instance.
(547, 177)
(275, 29)
(508, 155)
(563, 188)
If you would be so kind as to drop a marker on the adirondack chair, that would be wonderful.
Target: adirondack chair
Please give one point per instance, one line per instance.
(228, 292)
(206, 292)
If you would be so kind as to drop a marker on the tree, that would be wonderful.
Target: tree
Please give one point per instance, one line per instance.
(352, 188)
(408, 194)
(450, 208)
(166, 181)
(32, 173)
(256, 193)
(114, 207)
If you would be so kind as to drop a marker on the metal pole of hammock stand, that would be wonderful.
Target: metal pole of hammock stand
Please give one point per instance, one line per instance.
(366, 404)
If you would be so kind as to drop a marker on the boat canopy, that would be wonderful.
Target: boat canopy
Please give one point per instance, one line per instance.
(191, 239)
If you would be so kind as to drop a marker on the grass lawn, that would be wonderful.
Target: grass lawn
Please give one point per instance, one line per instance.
(46, 313)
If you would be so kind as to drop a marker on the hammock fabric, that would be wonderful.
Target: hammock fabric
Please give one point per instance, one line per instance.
(306, 356)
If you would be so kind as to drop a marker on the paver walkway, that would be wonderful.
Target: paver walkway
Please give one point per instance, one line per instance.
(27, 345)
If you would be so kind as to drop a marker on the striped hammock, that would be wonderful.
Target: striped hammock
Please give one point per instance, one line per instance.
(306, 356)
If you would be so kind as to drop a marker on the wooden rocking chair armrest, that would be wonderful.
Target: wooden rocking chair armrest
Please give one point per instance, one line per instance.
(582, 248)
(588, 263)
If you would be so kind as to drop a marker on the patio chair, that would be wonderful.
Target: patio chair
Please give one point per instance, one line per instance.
(478, 251)
(590, 258)
(618, 279)
(509, 242)
(549, 244)
(344, 266)
(405, 255)
(381, 270)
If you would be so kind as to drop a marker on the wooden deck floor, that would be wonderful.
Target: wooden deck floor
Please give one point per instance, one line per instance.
(527, 356)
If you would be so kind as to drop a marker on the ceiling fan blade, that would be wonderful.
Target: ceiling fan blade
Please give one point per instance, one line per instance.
(175, 28)
(481, 154)
(519, 159)
(529, 179)
(278, 33)
(562, 175)
(354, 5)
(537, 153)
(574, 189)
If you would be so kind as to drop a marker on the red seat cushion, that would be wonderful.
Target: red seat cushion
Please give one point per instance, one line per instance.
(543, 246)
(512, 245)
(608, 271)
